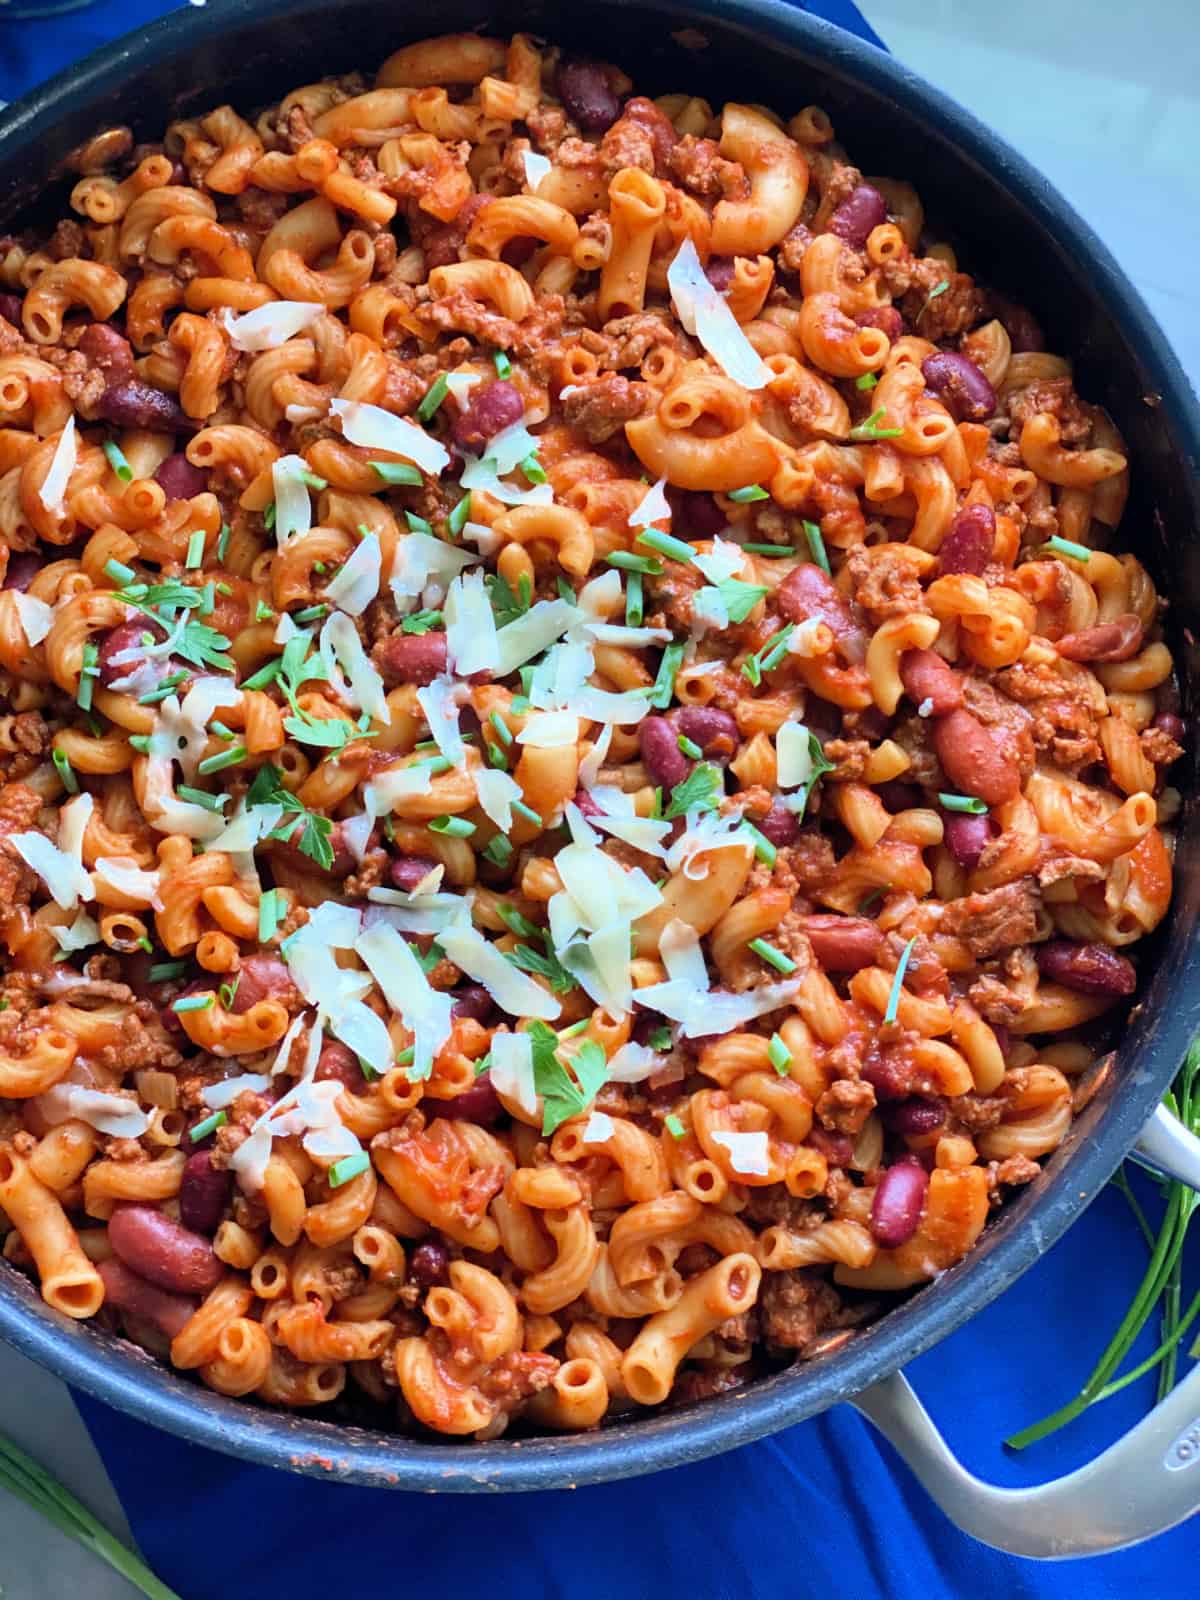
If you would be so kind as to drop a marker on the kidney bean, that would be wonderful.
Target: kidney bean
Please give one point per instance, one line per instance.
(889, 1073)
(584, 90)
(969, 544)
(1173, 726)
(489, 410)
(518, 251)
(780, 826)
(261, 978)
(125, 1291)
(472, 1000)
(125, 636)
(180, 479)
(165, 1252)
(927, 677)
(23, 567)
(1023, 329)
(480, 1103)
(338, 1061)
(808, 592)
(1106, 641)
(837, 1148)
(406, 872)
(697, 515)
(898, 1203)
(719, 271)
(412, 658)
(871, 723)
(169, 1017)
(203, 1194)
(886, 317)
(657, 124)
(900, 796)
(134, 404)
(108, 351)
(913, 1115)
(664, 761)
(429, 1264)
(714, 731)
(977, 760)
(959, 385)
(1087, 968)
(587, 806)
(863, 209)
(10, 309)
(967, 837)
(842, 944)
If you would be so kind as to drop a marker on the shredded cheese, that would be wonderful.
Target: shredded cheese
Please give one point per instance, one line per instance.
(471, 639)
(376, 429)
(117, 1115)
(749, 1153)
(513, 991)
(705, 314)
(293, 505)
(34, 615)
(512, 1070)
(341, 648)
(652, 507)
(426, 1011)
(53, 490)
(357, 583)
(269, 326)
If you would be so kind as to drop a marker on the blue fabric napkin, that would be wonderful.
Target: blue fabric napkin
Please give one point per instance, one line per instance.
(824, 1508)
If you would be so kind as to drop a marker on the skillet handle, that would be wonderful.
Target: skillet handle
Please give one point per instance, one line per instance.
(1144, 1484)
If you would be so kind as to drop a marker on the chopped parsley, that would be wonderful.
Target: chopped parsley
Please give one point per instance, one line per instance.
(702, 790)
(315, 830)
(740, 598)
(565, 1091)
(421, 622)
(660, 1039)
(507, 606)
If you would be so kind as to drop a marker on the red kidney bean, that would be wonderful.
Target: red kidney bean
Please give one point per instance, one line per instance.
(780, 826)
(203, 1194)
(406, 872)
(23, 567)
(837, 1148)
(696, 514)
(871, 723)
(518, 251)
(584, 90)
(1023, 329)
(180, 479)
(163, 1251)
(1174, 727)
(719, 271)
(969, 544)
(429, 1264)
(899, 796)
(858, 213)
(914, 1115)
(657, 124)
(926, 676)
(889, 1073)
(472, 1000)
(125, 636)
(959, 385)
(1106, 641)
(412, 658)
(664, 761)
(261, 978)
(134, 404)
(967, 837)
(898, 1203)
(107, 350)
(1087, 968)
(10, 309)
(339, 1061)
(480, 1103)
(488, 411)
(587, 806)
(714, 731)
(976, 760)
(887, 318)
(842, 944)
(125, 1291)
(1003, 1037)
(808, 592)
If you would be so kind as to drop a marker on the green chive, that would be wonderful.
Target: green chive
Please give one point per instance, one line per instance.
(665, 545)
(263, 612)
(452, 827)
(265, 676)
(532, 468)
(635, 600)
(208, 599)
(632, 562)
(1067, 547)
(320, 566)
(576, 1028)
(499, 851)
(195, 549)
(194, 1002)
(348, 1167)
(770, 549)
(144, 944)
(117, 461)
(227, 993)
(866, 382)
(871, 900)
(660, 1039)
(779, 1055)
(209, 1125)
(938, 289)
(963, 802)
(503, 731)
(165, 970)
(457, 520)
(141, 742)
(674, 1127)
(497, 757)
(664, 683)
(436, 765)
(764, 850)
(310, 614)
(166, 687)
(269, 517)
(898, 982)
(416, 524)
(776, 649)
(396, 472)
(565, 591)
(773, 958)
(311, 479)
(689, 747)
(870, 429)
(502, 364)
(200, 797)
(516, 923)
(434, 395)
(752, 491)
(224, 758)
(406, 1057)
(119, 573)
(528, 813)
(270, 915)
(223, 539)
(65, 771)
(88, 669)
(223, 588)
(816, 545)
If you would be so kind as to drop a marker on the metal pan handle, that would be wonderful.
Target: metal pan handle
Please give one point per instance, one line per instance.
(1142, 1485)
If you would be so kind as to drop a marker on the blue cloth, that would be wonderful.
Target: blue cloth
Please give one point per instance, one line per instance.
(822, 1508)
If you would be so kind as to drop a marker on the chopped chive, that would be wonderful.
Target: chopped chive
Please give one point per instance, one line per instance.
(674, 1127)
(166, 687)
(65, 771)
(119, 573)
(565, 591)
(773, 957)
(497, 756)
(938, 289)
(269, 517)
(689, 747)
(660, 1039)
(140, 742)
(227, 993)
(499, 851)
(195, 549)
(165, 970)
(870, 429)
(776, 649)
(1068, 547)
(311, 479)
(396, 472)
(764, 850)
(635, 600)
(421, 622)
(348, 1167)
(208, 599)
(665, 545)
(868, 902)
(201, 797)
(963, 802)
(503, 731)
(457, 520)
(532, 468)
(816, 546)
(752, 491)
(867, 382)
(752, 671)
(516, 923)
(223, 539)
(209, 1125)
(632, 562)
(223, 759)
(406, 1057)
(416, 524)
(502, 364)
(223, 588)
(770, 549)
(519, 705)
(576, 1028)
(898, 982)
(117, 461)
(320, 566)
(263, 612)
(88, 669)
(265, 676)
(270, 914)
(779, 1055)
(664, 683)
(528, 813)
(452, 827)
(194, 1002)
(144, 944)
(434, 395)
(436, 765)
(311, 613)
(656, 809)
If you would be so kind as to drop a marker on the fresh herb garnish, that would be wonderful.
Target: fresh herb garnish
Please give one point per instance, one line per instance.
(893, 1004)
(674, 1127)
(630, 561)
(209, 1125)
(635, 600)
(507, 606)
(421, 621)
(773, 957)
(664, 683)
(434, 395)
(962, 802)
(779, 1055)
(740, 598)
(665, 545)
(117, 461)
(348, 1167)
(752, 491)
(866, 382)
(315, 830)
(1067, 547)
(870, 429)
(565, 1091)
(701, 790)
(396, 472)
(543, 965)
(65, 771)
(935, 293)
(816, 546)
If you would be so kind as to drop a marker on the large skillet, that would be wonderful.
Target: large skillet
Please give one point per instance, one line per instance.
(1018, 234)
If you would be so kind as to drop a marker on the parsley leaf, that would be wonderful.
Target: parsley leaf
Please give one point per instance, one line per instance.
(701, 790)
(543, 966)
(819, 768)
(314, 840)
(740, 598)
(564, 1096)
(507, 606)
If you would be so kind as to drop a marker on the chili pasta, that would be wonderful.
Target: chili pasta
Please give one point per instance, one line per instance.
(581, 762)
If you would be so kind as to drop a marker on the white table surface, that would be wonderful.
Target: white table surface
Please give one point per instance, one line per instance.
(1111, 114)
